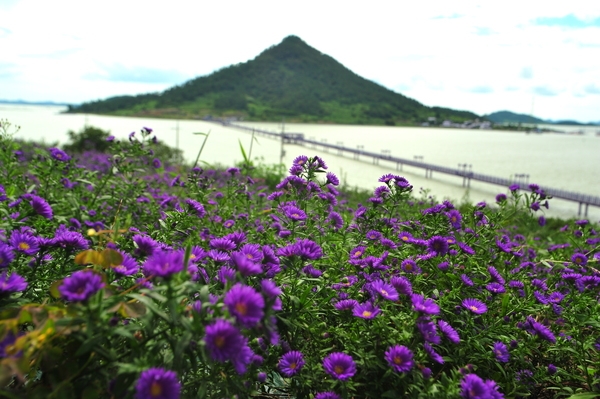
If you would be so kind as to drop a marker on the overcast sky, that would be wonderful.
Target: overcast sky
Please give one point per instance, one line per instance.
(482, 56)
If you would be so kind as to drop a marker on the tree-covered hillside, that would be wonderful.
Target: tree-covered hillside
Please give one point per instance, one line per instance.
(291, 80)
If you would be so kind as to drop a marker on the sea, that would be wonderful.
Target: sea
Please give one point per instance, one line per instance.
(569, 160)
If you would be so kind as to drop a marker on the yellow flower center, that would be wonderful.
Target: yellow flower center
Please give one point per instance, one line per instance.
(241, 308)
(155, 389)
(249, 256)
(338, 369)
(384, 292)
(357, 253)
(293, 366)
(473, 308)
(220, 342)
(398, 360)
(404, 238)
(366, 313)
(24, 246)
(408, 267)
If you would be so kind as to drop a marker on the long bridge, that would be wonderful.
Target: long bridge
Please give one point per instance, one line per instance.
(584, 200)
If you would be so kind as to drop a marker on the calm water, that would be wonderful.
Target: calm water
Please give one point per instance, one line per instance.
(570, 162)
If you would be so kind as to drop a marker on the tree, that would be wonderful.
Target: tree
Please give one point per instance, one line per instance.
(90, 138)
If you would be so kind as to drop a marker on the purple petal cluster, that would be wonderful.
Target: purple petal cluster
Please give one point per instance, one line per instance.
(80, 286)
(340, 366)
(157, 383)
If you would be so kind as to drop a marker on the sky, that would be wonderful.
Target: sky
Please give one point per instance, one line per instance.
(527, 56)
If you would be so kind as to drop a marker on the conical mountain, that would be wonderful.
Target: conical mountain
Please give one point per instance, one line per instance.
(291, 80)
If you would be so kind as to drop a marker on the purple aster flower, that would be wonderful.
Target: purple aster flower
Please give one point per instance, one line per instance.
(428, 330)
(307, 249)
(59, 154)
(327, 395)
(222, 244)
(551, 369)
(80, 286)
(449, 332)
(474, 305)
(6, 255)
(473, 387)
(387, 291)
(340, 366)
(541, 330)
(40, 206)
(402, 285)
(556, 297)
(410, 266)
(422, 305)
(12, 283)
(291, 363)
(579, 259)
(436, 357)
(455, 218)
(225, 342)
(357, 252)
(373, 235)
(24, 242)
(438, 245)
(405, 236)
(145, 245)
(495, 288)
(332, 179)
(163, 263)
(225, 274)
(365, 310)
(294, 213)
(245, 304)
(128, 266)
(157, 383)
(400, 358)
(496, 276)
(501, 352)
(244, 265)
(500, 198)
(270, 289)
(346, 304)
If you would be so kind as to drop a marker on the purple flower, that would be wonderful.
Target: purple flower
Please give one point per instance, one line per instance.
(12, 283)
(244, 265)
(145, 245)
(428, 331)
(163, 264)
(346, 304)
(6, 255)
(24, 242)
(449, 332)
(436, 357)
(59, 154)
(422, 305)
(80, 286)
(291, 363)
(501, 352)
(157, 383)
(327, 395)
(410, 266)
(473, 387)
(402, 285)
(245, 304)
(579, 259)
(340, 366)
(387, 291)
(400, 358)
(304, 248)
(225, 342)
(500, 198)
(366, 310)
(551, 369)
(541, 330)
(495, 288)
(438, 245)
(474, 306)
(293, 213)
(40, 206)
(455, 218)
(332, 179)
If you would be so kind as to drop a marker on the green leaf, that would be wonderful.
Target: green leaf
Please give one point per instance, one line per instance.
(586, 395)
(151, 305)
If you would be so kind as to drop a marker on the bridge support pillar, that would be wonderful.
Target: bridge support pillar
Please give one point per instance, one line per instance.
(398, 166)
(586, 210)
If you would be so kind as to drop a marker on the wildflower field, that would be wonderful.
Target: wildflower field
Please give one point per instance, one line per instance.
(123, 275)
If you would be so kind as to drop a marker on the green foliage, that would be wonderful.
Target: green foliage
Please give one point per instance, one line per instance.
(118, 216)
(291, 79)
(89, 138)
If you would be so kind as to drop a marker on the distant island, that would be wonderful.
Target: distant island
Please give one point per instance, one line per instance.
(290, 80)
(22, 102)
(504, 117)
